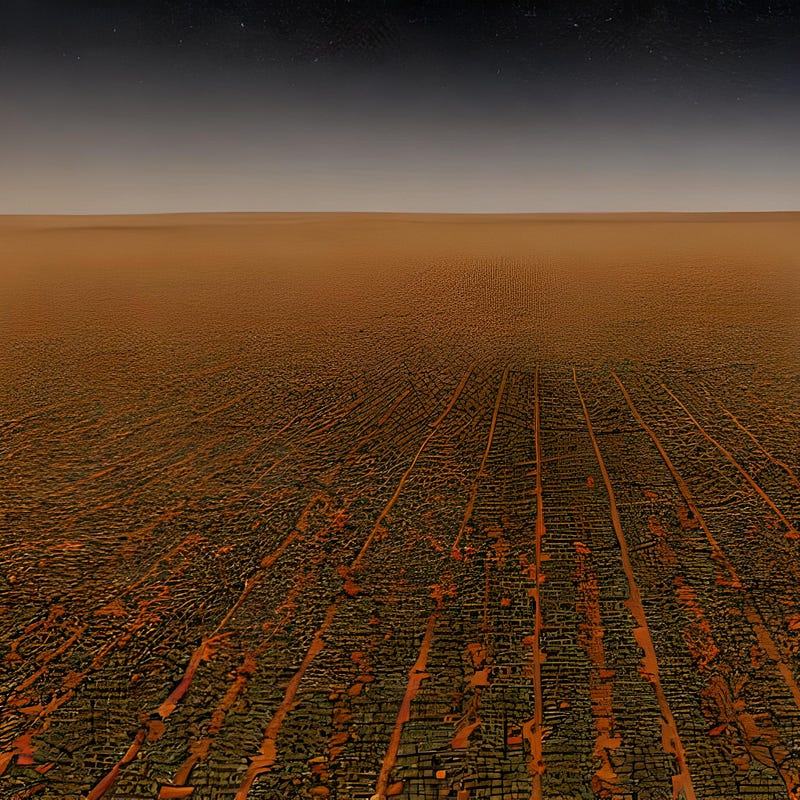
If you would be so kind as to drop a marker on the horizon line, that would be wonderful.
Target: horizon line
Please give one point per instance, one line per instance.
(365, 213)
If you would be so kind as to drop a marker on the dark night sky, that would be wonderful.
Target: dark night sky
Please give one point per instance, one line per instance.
(369, 105)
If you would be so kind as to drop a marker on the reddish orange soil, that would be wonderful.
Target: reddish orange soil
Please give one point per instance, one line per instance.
(403, 506)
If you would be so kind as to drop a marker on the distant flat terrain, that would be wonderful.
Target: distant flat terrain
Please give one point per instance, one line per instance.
(434, 507)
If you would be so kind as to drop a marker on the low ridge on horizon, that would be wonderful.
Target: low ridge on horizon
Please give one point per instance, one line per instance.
(364, 213)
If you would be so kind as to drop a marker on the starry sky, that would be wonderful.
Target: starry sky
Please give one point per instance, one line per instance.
(116, 106)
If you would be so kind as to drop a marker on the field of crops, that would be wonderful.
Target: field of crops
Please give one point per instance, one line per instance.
(428, 508)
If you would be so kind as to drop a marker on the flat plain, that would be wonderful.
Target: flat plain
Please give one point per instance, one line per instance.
(421, 507)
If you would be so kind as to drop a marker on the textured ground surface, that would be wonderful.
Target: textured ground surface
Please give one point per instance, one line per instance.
(339, 506)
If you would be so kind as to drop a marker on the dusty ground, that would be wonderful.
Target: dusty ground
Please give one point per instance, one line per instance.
(418, 506)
